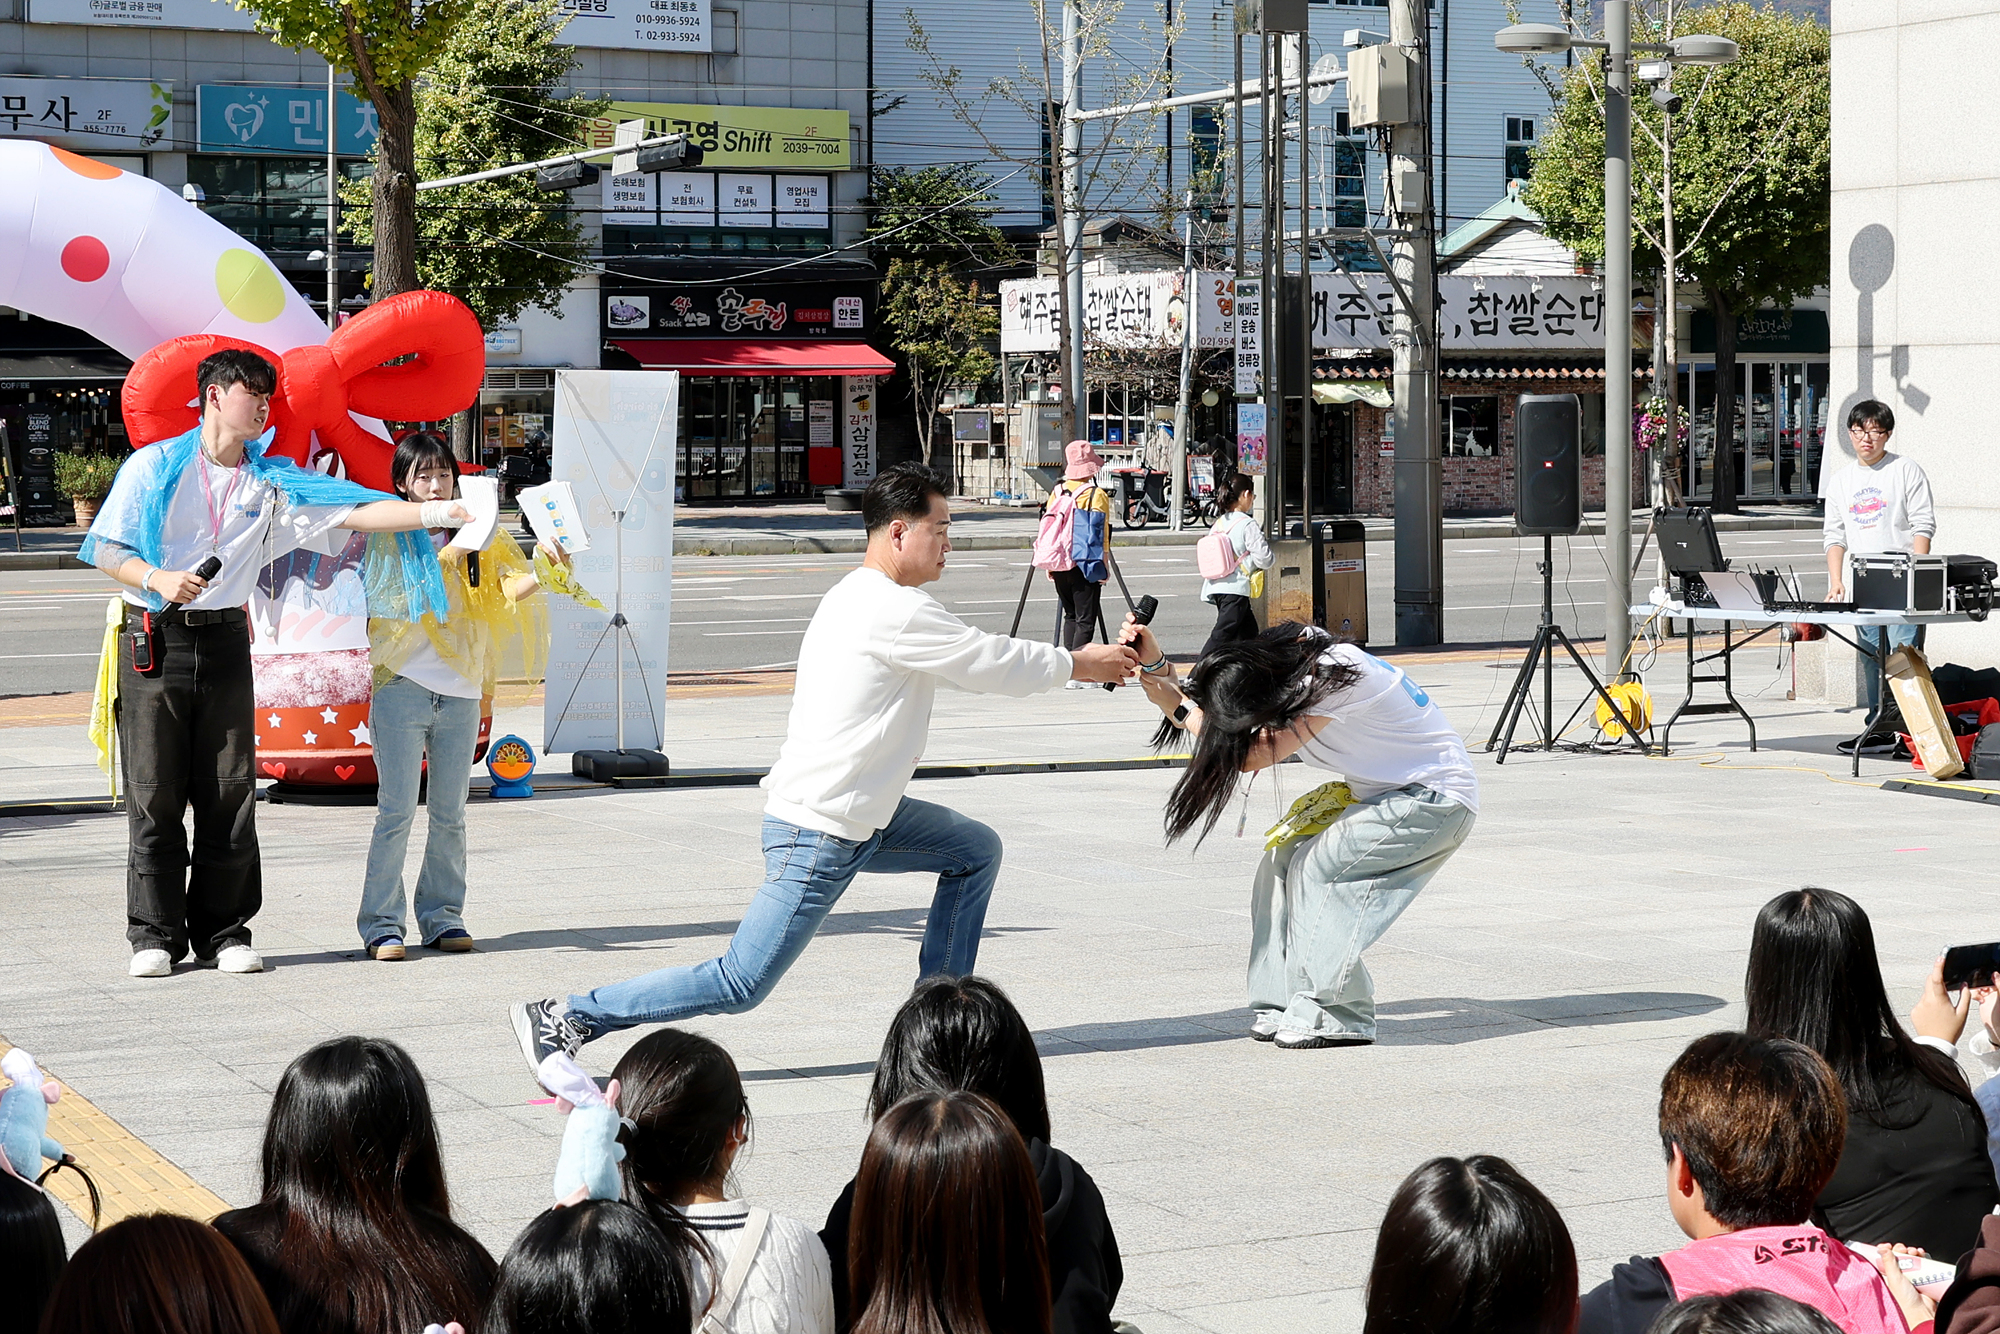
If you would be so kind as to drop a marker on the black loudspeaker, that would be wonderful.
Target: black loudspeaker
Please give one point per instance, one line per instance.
(1548, 464)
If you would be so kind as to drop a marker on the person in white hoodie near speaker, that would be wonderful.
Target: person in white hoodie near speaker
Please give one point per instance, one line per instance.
(869, 667)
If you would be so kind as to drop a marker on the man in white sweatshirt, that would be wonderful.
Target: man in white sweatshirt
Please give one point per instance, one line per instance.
(1879, 503)
(869, 666)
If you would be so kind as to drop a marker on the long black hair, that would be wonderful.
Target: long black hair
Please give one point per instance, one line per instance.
(354, 1184)
(1244, 690)
(599, 1267)
(1748, 1311)
(1469, 1246)
(683, 1097)
(947, 1235)
(963, 1033)
(1813, 978)
(32, 1254)
(415, 452)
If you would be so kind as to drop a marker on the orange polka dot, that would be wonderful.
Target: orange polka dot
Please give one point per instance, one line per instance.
(86, 166)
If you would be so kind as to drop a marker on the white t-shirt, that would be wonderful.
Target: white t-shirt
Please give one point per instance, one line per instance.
(258, 526)
(427, 667)
(1874, 510)
(1384, 732)
(869, 669)
(790, 1287)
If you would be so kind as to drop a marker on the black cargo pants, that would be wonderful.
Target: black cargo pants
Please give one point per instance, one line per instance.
(187, 732)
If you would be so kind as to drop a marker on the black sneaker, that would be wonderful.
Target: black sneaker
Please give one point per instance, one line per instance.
(545, 1027)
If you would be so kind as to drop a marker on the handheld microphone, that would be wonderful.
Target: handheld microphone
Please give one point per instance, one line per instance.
(1142, 614)
(209, 568)
(472, 568)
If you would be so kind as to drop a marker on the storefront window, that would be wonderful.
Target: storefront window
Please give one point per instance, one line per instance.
(276, 203)
(1779, 431)
(1475, 426)
(744, 437)
(516, 414)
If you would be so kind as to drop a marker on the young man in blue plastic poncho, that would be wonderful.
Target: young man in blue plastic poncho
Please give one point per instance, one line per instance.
(185, 706)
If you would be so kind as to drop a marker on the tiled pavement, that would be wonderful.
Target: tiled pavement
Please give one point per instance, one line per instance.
(1596, 920)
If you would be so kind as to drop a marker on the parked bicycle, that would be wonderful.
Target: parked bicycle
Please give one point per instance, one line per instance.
(1142, 498)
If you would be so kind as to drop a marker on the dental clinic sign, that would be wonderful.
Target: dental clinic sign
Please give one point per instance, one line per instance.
(272, 118)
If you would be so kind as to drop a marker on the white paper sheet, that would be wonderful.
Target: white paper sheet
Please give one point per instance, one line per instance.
(481, 495)
(551, 511)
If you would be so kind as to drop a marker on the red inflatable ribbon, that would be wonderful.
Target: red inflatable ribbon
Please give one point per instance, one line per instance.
(433, 338)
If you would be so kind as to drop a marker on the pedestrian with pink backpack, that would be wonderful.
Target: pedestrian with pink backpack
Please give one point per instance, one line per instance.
(1070, 544)
(1228, 556)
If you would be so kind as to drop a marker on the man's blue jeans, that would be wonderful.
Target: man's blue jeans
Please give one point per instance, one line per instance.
(1900, 636)
(805, 873)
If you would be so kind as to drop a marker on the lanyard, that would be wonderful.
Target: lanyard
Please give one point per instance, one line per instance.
(215, 515)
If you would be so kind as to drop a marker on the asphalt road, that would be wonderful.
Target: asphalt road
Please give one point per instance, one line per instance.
(737, 612)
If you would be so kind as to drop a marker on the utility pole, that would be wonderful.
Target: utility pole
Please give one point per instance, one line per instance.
(1413, 338)
(1617, 334)
(1075, 389)
(1190, 301)
(332, 203)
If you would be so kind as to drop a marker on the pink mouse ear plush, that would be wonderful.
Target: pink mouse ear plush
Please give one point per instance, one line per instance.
(24, 1116)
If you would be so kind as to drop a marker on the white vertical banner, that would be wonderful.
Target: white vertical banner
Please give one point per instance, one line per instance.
(857, 440)
(1249, 334)
(615, 446)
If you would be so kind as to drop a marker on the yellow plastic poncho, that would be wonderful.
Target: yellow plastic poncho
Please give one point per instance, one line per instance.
(104, 699)
(489, 636)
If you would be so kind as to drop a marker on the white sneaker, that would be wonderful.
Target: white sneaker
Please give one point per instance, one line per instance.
(239, 959)
(1265, 1027)
(151, 963)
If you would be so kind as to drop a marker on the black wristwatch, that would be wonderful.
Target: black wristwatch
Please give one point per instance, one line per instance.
(1179, 715)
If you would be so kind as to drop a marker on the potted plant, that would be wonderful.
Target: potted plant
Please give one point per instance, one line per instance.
(86, 480)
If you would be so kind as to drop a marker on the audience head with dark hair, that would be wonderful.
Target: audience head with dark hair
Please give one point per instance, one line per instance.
(1469, 1246)
(158, 1274)
(683, 1098)
(353, 1234)
(1915, 1167)
(599, 1267)
(905, 491)
(964, 1034)
(1752, 1128)
(1746, 1311)
(423, 451)
(947, 1223)
(32, 1253)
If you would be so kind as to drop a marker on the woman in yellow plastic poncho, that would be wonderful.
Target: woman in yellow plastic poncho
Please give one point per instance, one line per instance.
(431, 681)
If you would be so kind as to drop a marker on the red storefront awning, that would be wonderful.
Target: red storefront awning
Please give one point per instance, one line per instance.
(737, 356)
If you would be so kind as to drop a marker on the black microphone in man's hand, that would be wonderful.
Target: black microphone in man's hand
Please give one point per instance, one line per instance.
(1142, 614)
(208, 569)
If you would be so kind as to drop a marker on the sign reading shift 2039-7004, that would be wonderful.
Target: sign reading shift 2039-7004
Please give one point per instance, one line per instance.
(737, 136)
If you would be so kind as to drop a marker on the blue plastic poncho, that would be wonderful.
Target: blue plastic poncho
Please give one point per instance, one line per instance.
(134, 513)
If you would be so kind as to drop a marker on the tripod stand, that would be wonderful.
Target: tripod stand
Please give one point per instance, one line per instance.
(1543, 652)
(627, 768)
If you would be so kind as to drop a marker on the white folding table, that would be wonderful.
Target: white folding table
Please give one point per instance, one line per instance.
(1771, 620)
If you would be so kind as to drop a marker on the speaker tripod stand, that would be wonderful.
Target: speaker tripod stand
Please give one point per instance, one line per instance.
(1543, 653)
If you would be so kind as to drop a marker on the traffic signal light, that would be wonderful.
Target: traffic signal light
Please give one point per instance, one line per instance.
(677, 156)
(568, 176)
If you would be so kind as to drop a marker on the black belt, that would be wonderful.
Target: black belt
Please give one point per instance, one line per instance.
(134, 616)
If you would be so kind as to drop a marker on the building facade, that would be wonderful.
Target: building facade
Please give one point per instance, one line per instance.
(188, 93)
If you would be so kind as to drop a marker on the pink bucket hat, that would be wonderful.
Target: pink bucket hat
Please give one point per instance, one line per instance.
(1083, 461)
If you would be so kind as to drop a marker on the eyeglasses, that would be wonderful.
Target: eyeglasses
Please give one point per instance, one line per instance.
(1868, 433)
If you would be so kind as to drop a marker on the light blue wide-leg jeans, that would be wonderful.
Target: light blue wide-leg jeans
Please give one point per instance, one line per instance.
(805, 873)
(1316, 904)
(405, 722)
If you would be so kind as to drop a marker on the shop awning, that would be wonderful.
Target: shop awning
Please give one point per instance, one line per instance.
(742, 356)
(83, 364)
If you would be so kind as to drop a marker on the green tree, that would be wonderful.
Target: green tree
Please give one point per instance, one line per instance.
(1752, 181)
(934, 227)
(500, 246)
(385, 45)
(942, 328)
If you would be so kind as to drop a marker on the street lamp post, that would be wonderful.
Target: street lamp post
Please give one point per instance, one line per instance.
(1550, 39)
